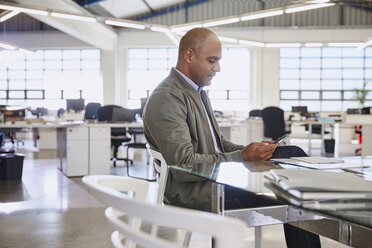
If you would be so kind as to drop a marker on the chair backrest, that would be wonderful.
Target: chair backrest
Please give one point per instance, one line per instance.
(225, 231)
(161, 171)
(255, 113)
(273, 118)
(60, 112)
(91, 110)
(115, 113)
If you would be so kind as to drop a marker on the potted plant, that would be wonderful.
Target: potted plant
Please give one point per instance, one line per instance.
(361, 94)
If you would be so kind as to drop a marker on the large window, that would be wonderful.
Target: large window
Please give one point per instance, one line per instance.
(46, 78)
(229, 90)
(324, 78)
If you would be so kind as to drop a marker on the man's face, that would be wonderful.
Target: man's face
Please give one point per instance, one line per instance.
(206, 62)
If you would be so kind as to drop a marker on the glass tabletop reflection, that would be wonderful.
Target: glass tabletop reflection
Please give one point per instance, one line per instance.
(249, 176)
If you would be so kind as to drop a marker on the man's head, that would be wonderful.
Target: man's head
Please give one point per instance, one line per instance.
(198, 55)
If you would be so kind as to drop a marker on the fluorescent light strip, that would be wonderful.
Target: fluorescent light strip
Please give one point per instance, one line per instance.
(8, 15)
(308, 7)
(125, 24)
(221, 22)
(251, 43)
(73, 17)
(318, 1)
(24, 9)
(282, 45)
(25, 50)
(345, 44)
(314, 44)
(261, 15)
(227, 39)
(6, 46)
(162, 29)
(186, 27)
(364, 45)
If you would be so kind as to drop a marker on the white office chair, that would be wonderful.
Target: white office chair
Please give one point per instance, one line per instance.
(226, 232)
(161, 172)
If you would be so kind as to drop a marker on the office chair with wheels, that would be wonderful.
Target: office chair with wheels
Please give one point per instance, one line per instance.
(127, 213)
(114, 113)
(91, 110)
(255, 113)
(274, 126)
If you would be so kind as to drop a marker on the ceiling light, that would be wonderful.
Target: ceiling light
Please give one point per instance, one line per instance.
(318, 1)
(156, 28)
(24, 10)
(6, 46)
(308, 7)
(126, 24)
(345, 44)
(177, 29)
(220, 22)
(313, 44)
(251, 43)
(227, 39)
(73, 17)
(25, 50)
(282, 45)
(364, 45)
(7, 15)
(261, 15)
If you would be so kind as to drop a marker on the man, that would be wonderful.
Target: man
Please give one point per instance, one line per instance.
(179, 123)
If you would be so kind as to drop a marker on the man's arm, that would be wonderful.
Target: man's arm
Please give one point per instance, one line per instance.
(167, 128)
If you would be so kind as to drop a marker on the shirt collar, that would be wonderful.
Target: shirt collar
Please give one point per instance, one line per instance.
(189, 81)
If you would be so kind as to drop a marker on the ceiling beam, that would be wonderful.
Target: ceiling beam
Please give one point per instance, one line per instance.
(95, 34)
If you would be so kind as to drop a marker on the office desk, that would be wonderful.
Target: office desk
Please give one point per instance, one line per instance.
(242, 132)
(37, 127)
(353, 228)
(366, 122)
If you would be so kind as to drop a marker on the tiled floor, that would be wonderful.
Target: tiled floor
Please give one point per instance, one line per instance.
(47, 209)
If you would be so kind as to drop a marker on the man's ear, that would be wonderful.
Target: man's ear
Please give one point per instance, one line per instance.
(189, 55)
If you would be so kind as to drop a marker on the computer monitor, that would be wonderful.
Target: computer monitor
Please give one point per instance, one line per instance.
(75, 104)
(299, 109)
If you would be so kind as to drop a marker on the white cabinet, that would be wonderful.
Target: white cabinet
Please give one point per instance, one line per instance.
(239, 135)
(74, 150)
(366, 140)
(99, 150)
(47, 138)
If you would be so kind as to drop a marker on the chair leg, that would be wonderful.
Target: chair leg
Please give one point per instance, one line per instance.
(257, 237)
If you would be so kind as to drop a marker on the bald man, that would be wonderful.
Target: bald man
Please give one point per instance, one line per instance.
(179, 123)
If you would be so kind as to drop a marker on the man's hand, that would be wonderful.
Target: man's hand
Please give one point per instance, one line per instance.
(258, 151)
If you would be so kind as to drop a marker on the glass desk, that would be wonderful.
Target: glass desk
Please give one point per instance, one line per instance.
(350, 227)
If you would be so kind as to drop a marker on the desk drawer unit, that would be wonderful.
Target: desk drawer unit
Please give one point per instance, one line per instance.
(77, 152)
(99, 150)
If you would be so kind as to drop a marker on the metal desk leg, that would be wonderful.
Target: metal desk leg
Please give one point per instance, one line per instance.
(309, 135)
(322, 139)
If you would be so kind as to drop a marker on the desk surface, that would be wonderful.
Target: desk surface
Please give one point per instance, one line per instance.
(249, 177)
(69, 124)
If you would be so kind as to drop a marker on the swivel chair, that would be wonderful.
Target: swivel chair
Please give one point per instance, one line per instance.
(114, 113)
(255, 113)
(91, 110)
(274, 126)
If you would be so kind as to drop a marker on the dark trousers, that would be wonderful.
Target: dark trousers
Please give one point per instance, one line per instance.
(237, 198)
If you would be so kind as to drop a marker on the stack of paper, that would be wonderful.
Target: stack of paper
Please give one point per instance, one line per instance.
(319, 163)
(321, 189)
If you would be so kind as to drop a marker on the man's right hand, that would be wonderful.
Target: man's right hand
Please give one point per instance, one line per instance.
(258, 151)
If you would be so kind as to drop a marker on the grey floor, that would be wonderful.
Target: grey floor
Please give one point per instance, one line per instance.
(47, 209)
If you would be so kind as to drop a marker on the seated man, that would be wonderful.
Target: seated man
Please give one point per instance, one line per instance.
(179, 123)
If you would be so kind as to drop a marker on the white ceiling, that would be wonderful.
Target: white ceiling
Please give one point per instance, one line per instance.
(127, 8)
